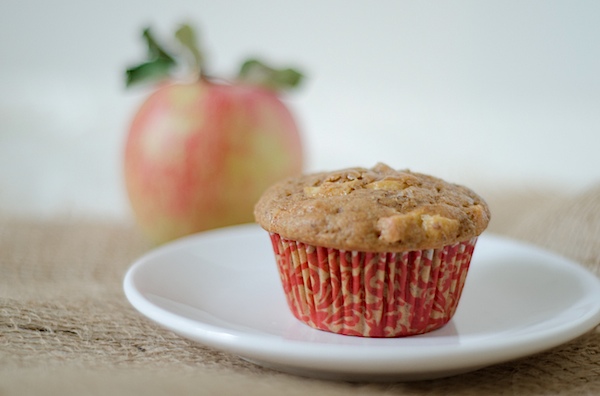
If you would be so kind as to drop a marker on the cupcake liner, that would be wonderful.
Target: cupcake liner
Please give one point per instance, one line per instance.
(372, 294)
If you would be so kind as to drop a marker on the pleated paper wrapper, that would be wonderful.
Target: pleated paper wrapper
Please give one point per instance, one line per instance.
(372, 294)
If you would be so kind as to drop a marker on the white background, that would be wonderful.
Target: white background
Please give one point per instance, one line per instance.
(494, 94)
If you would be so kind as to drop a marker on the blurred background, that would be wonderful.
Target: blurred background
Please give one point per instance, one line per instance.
(499, 95)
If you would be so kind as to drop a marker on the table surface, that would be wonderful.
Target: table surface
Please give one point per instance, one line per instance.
(66, 327)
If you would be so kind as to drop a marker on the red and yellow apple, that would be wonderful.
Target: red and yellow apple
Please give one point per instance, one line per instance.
(199, 154)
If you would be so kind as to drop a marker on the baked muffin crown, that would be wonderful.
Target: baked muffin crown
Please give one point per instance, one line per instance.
(376, 210)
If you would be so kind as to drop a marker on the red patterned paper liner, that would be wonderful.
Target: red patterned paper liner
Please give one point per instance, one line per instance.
(372, 294)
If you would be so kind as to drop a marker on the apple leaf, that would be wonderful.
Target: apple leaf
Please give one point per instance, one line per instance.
(156, 70)
(256, 72)
(158, 66)
(162, 61)
(155, 50)
(187, 37)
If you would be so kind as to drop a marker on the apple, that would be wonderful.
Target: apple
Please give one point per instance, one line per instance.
(199, 153)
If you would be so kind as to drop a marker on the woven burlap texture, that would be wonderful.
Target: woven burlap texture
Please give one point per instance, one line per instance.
(66, 327)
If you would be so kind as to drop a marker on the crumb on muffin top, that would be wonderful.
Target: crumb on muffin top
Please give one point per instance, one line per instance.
(377, 210)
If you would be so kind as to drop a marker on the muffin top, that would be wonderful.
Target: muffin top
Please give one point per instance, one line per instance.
(374, 210)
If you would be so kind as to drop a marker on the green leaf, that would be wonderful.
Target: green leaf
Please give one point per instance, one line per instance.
(187, 37)
(256, 72)
(155, 50)
(152, 71)
(157, 67)
(162, 60)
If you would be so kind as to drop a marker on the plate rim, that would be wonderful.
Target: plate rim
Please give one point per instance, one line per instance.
(265, 350)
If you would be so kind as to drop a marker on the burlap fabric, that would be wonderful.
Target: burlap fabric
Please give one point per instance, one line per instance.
(66, 327)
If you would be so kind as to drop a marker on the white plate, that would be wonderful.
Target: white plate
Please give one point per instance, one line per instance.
(221, 289)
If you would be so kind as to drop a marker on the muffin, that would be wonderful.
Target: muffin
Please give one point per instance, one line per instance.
(372, 252)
